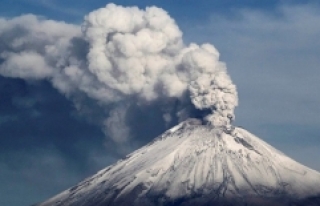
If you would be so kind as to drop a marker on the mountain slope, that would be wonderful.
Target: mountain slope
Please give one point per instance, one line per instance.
(194, 164)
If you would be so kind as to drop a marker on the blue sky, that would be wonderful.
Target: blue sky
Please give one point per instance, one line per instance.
(271, 49)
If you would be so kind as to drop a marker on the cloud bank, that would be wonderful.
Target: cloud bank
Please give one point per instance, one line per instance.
(123, 59)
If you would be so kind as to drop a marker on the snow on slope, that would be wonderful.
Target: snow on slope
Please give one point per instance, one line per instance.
(192, 159)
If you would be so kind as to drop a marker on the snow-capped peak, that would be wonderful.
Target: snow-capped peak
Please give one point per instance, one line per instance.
(195, 162)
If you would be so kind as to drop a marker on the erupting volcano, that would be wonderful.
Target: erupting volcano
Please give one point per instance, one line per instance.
(125, 57)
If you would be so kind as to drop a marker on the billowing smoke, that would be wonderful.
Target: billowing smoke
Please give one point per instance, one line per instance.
(122, 58)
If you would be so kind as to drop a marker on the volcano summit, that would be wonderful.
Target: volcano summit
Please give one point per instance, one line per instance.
(196, 164)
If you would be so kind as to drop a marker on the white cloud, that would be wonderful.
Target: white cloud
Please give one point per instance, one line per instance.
(127, 55)
(27, 65)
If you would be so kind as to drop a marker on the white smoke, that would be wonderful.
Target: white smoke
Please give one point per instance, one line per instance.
(115, 125)
(121, 56)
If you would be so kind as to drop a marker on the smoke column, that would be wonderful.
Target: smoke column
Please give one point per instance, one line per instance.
(119, 57)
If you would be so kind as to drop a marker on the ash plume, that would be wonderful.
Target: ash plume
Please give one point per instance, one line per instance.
(121, 56)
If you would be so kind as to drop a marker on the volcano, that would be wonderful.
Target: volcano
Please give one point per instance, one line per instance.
(197, 164)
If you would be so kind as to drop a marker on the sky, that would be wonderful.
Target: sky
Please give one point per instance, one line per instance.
(50, 140)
